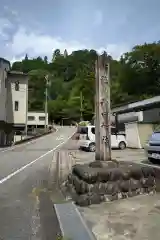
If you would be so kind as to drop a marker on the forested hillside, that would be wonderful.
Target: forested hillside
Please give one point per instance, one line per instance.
(135, 76)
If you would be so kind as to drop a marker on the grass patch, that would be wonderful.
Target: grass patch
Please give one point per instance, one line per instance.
(63, 238)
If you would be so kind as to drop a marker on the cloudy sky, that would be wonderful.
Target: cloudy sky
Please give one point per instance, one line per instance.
(38, 27)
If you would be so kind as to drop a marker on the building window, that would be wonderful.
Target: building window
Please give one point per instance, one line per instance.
(41, 118)
(5, 78)
(93, 130)
(5, 82)
(16, 105)
(16, 86)
(31, 118)
(113, 131)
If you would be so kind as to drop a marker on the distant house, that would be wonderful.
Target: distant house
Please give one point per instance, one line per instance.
(18, 99)
(5, 125)
(13, 101)
(37, 119)
(138, 120)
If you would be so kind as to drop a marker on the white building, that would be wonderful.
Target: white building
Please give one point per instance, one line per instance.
(14, 113)
(139, 120)
(5, 125)
(37, 119)
(17, 104)
(13, 101)
(4, 67)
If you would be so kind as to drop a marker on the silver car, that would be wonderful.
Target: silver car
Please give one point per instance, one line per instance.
(153, 147)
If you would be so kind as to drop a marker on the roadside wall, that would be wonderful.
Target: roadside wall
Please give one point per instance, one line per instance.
(132, 135)
(145, 130)
(137, 134)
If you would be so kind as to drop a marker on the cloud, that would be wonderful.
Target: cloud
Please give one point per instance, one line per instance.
(5, 24)
(115, 50)
(11, 11)
(36, 44)
(98, 18)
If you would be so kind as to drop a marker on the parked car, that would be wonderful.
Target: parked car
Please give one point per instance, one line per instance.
(153, 147)
(87, 139)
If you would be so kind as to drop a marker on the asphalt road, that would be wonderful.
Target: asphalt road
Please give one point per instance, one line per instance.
(26, 211)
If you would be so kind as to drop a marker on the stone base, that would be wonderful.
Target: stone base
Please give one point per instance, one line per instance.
(107, 181)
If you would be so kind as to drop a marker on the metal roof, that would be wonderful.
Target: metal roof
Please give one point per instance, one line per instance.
(4, 60)
(17, 73)
(137, 105)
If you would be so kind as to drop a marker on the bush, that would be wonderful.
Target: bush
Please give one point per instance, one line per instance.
(84, 123)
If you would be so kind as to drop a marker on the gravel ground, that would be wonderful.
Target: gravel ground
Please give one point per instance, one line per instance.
(136, 155)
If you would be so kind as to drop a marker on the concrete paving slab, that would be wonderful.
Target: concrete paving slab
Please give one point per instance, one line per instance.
(71, 222)
(135, 218)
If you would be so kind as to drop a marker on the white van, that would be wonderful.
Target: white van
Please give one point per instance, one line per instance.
(87, 139)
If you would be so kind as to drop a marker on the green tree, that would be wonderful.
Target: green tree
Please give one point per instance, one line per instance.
(135, 76)
(57, 53)
(140, 72)
(46, 60)
(36, 90)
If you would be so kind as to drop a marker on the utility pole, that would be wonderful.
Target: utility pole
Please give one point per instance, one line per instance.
(81, 101)
(102, 104)
(26, 121)
(46, 102)
(108, 92)
(97, 112)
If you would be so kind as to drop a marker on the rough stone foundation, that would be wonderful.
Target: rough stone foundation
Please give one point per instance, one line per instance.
(107, 181)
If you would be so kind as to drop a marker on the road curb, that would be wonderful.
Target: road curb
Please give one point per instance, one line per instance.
(68, 216)
(32, 138)
(53, 165)
(25, 142)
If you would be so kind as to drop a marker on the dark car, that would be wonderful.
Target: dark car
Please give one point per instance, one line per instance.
(153, 147)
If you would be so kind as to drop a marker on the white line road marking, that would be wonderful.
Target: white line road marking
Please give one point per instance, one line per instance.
(60, 138)
(29, 164)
